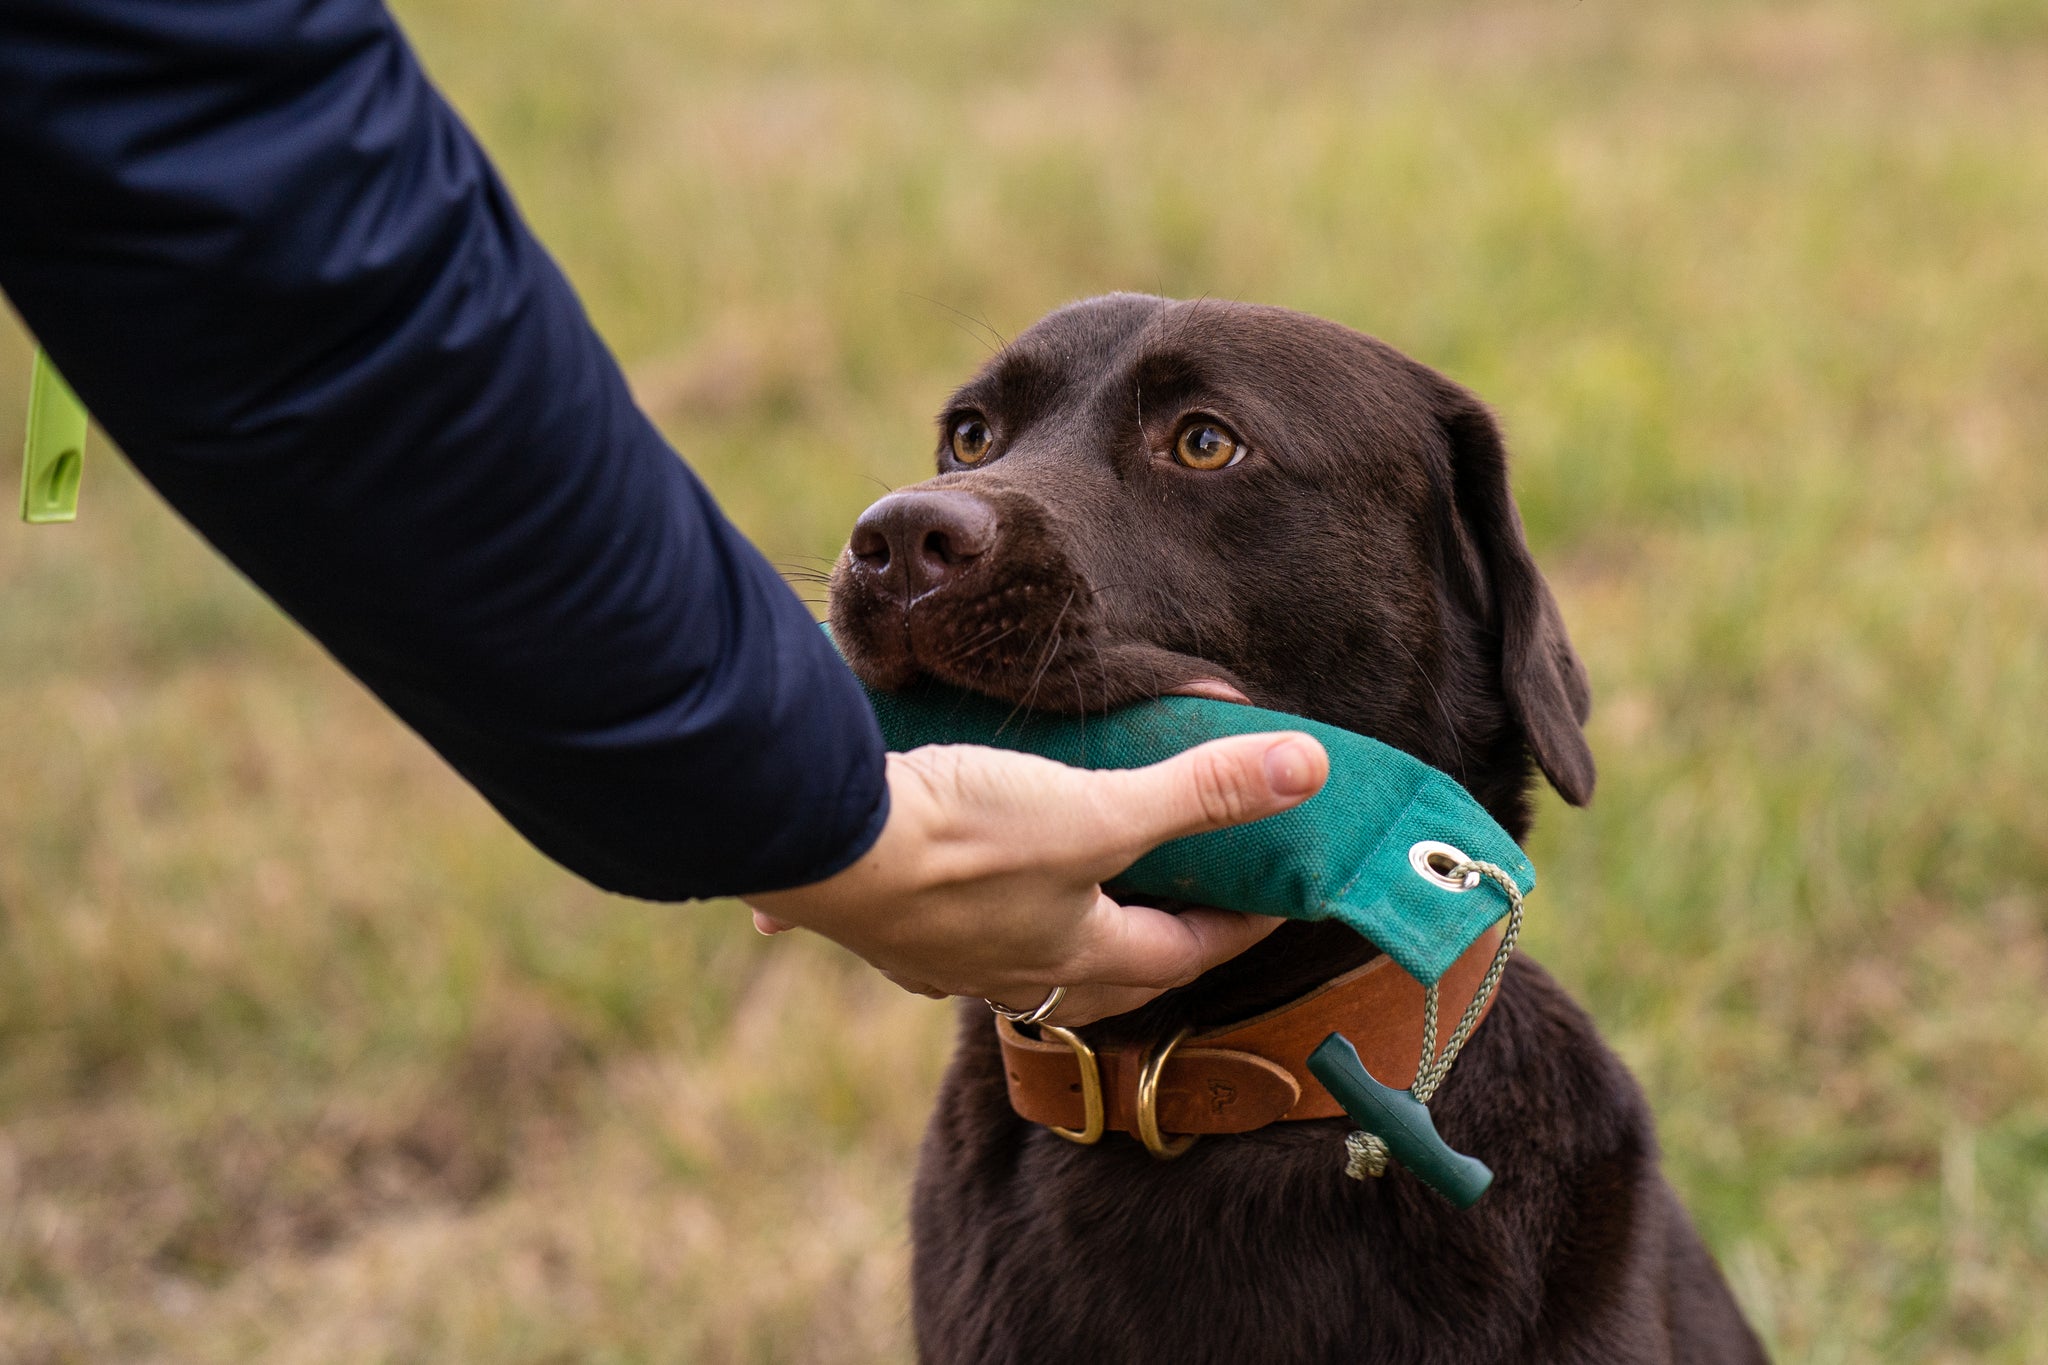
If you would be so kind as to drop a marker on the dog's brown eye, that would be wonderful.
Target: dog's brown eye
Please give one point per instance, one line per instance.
(971, 440)
(1206, 445)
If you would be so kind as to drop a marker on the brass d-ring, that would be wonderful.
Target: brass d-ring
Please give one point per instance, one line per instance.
(1092, 1116)
(1148, 1103)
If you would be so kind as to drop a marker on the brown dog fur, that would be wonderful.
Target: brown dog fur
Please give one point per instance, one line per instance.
(1364, 565)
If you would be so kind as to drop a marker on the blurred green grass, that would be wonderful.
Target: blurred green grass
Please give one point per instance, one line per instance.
(304, 1057)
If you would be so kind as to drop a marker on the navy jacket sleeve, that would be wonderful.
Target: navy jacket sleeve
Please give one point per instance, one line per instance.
(283, 276)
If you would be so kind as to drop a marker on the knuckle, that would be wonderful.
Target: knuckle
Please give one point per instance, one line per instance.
(1186, 970)
(1218, 794)
(1168, 970)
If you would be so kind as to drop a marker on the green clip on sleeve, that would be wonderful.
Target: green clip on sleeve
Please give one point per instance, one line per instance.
(1344, 854)
(55, 456)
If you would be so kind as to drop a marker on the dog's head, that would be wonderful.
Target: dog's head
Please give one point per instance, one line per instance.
(1140, 497)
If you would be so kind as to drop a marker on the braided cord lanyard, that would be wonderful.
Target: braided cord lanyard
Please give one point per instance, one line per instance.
(1366, 1152)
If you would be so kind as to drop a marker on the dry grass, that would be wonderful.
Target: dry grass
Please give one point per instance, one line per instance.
(303, 1057)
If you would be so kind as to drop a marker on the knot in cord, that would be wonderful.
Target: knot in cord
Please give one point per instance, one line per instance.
(1365, 1155)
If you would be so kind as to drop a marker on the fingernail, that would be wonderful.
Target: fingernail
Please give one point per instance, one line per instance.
(1290, 768)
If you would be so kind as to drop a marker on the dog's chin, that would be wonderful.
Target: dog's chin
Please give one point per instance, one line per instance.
(1077, 679)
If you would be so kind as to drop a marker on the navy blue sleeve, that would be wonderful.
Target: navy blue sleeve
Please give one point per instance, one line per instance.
(283, 276)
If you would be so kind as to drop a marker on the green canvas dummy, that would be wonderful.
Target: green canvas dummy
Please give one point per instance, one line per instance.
(1344, 854)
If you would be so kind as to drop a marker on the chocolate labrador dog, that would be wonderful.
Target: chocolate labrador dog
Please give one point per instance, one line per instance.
(1139, 497)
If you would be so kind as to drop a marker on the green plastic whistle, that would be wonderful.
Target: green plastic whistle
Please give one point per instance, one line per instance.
(1401, 1121)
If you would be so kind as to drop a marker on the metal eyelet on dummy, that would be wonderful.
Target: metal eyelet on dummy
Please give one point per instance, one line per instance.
(1438, 862)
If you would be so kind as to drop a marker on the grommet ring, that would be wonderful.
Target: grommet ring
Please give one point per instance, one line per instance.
(1443, 865)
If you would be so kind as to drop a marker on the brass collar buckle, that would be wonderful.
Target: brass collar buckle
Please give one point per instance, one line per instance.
(1094, 1111)
(1092, 1114)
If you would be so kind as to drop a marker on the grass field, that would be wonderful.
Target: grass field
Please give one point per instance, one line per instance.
(304, 1057)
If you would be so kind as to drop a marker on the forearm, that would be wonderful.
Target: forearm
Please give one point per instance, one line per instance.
(281, 274)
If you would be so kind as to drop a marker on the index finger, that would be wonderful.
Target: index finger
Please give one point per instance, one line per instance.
(1137, 945)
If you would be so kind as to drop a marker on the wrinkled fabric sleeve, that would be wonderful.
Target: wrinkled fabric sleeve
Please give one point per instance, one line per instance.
(284, 277)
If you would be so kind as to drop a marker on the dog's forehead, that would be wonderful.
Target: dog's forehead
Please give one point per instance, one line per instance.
(1216, 344)
(1069, 345)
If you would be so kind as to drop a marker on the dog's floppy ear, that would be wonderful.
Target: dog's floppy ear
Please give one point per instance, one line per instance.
(1545, 684)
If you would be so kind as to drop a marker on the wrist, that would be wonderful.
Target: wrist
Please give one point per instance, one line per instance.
(898, 864)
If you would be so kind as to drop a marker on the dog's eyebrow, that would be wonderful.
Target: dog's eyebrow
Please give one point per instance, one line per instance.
(1014, 382)
(1171, 376)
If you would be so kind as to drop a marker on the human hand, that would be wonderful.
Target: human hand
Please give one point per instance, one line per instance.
(986, 880)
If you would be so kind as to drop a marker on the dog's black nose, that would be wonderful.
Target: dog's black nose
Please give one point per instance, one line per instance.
(911, 543)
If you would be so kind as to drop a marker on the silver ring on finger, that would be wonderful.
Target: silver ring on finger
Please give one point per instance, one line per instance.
(1031, 1016)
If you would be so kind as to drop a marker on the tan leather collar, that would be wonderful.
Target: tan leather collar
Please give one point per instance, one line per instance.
(1242, 1076)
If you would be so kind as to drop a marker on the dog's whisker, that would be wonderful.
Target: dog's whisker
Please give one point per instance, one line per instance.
(1443, 707)
(1031, 692)
(993, 330)
(970, 648)
(1173, 600)
(1052, 642)
(966, 318)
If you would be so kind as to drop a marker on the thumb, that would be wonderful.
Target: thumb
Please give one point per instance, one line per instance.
(1212, 786)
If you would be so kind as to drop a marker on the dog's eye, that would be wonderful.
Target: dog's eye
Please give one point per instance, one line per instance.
(971, 440)
(1207, 445)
